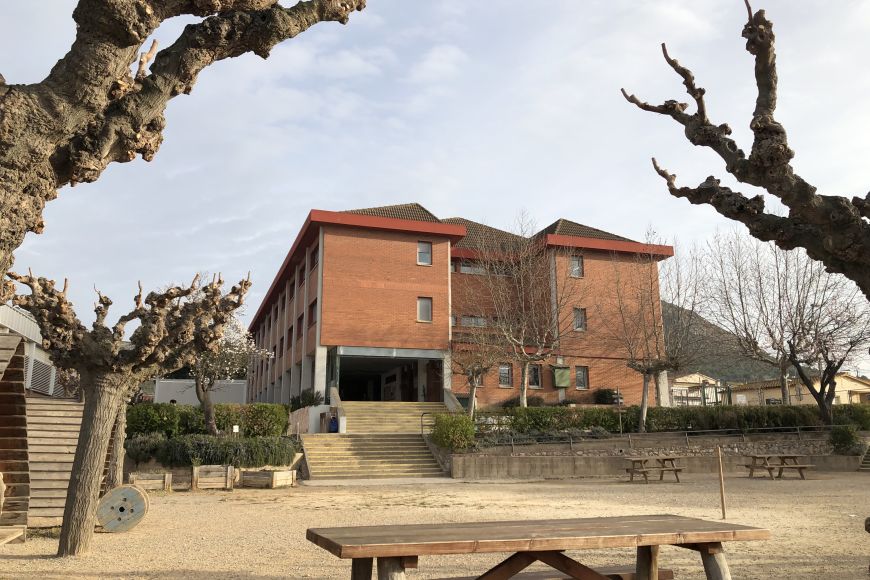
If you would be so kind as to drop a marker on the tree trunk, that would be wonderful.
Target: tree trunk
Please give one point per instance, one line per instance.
(524, 386)
(644, 404)
(203, 394)
(472, 395)
(783, 384)
(103, 395)
(115, 476)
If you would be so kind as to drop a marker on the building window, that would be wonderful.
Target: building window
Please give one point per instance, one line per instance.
(424, 309)
(312, 313)
(452, 320)
(579, 319)
(506, 375)
(302, 276)
(468, 267)
(299, 326)
(281, 346)
(315, 253)
(289, 338)
(424, 253)
(534, 376)
(478, 321)
(291, 292)
(576, 266)
(582, 378)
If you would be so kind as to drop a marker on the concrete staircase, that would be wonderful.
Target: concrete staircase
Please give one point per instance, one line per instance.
(865, 462)
(52, 433)
(383, 440)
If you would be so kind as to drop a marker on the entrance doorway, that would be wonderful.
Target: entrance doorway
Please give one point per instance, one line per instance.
(389, 379)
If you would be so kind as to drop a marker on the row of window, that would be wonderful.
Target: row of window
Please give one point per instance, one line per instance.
(506, 376)
(424, 258)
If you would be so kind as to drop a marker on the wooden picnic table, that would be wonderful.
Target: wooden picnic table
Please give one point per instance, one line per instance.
(779, 462)
(641, 466)
(399, 547)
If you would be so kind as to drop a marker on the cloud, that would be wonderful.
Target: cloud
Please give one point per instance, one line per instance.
(439, 64)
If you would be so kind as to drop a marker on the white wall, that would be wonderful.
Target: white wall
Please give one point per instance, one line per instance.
(183, 392)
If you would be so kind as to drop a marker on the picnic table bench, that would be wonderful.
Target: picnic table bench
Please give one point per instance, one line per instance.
(642, 466)
(398, 547)
(779, 462)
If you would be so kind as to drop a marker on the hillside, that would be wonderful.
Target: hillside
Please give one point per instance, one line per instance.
(720, 357)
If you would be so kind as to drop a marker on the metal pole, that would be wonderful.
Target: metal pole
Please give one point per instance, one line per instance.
(721, 480)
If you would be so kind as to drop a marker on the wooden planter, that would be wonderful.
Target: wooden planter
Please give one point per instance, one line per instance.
(212, 477)
(268, 479)
(152, 481)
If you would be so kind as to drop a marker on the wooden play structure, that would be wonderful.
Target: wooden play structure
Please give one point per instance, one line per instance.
(14, 459)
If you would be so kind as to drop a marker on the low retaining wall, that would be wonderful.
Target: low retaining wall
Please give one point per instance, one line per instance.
(476, 467)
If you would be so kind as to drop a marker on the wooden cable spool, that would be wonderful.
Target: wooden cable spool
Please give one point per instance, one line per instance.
(122, 508)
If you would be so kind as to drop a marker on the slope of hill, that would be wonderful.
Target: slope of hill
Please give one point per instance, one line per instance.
(719, 357)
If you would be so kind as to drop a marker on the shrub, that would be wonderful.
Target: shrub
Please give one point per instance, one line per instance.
(605, 397)
(845, 440)
(152, 418)
(190, 420)
(142, 447)
(533, 401)
(263, 420)
(857, 415)
(254, 420)
(236, 451)
(308, 398)
(453, 431)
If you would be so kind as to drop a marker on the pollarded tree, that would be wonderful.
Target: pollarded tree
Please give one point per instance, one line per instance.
(832, 229)
(90, 110)
(174, 324)
(230, 359)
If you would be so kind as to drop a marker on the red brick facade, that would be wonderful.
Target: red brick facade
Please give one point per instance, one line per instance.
(352, 281)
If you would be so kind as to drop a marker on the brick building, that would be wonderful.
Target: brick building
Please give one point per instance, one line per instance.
(363, 302)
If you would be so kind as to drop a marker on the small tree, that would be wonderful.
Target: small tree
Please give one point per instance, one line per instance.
(832, 229)
(632, 315)
(230, 359)
(526, 300)
(173, 325)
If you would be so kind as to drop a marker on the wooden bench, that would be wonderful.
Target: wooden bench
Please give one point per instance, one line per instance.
(640, 466)
(399, 547)
(769, 463)
(609, 572)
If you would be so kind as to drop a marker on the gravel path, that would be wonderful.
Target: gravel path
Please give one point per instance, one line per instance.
(817, 528)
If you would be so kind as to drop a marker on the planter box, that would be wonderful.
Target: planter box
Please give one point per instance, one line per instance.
(212, 477)
(152, 481)
(268, 479)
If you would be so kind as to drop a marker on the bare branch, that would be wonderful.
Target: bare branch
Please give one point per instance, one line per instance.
(144, 59)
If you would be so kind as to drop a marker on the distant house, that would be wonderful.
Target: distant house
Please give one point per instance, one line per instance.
(850, 389)
(696, 389)
(40, 374)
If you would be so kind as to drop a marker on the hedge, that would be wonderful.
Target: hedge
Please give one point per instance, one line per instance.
(531, 420)
(210, 450)
(454, 432)
(254, 420)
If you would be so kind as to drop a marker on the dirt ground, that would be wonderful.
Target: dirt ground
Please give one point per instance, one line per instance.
(817, 525)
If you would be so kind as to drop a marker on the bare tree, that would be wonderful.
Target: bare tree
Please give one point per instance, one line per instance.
(832, 229)
(751, 287)
(526, 300)
(91, 110)
(231, 358)
(829, 322)
(632, 315)
(172, 327)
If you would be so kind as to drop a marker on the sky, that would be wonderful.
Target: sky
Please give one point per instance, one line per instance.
(475, 109)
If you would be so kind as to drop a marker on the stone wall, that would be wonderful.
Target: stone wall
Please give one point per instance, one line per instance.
(607, 458)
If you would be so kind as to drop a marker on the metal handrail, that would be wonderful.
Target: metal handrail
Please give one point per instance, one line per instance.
(335, 402)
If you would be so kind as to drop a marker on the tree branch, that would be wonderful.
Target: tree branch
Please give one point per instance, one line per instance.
(832, 229)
